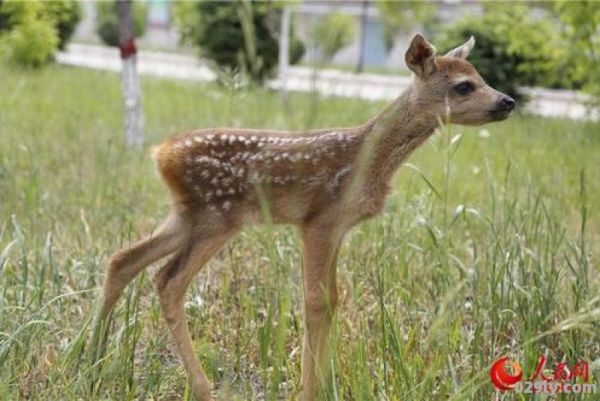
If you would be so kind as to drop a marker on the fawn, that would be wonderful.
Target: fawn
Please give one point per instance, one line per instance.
(324, 181)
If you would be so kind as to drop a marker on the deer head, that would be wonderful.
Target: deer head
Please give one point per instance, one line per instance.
(450, 88)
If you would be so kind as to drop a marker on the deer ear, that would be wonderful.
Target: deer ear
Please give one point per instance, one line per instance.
(420, 57)
(463, 50)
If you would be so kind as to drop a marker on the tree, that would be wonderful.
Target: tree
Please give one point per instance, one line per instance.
(236, 35)
(364, 19)
(107, 21)
(581, 30)
(333, 32)
(134, 118)
(66, 15)
(401, 16)
(32, 32)
(396, 16)
(512, 49)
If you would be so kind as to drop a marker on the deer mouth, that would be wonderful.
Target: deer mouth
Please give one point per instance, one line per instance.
(500, 114)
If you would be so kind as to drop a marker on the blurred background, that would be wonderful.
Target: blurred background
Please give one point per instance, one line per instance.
(487, 247)
(532, 45)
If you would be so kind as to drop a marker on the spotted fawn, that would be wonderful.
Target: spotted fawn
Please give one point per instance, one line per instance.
(324, 181)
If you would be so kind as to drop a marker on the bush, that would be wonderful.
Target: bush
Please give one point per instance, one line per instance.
(14, 12)
(187, 19)
(297, 48)
(333, 32)
(581, 31)
(31, 44)
(31, 32)
(107, 21)
(236, 35)
(65, 15)
(403, 16)
(511, 50)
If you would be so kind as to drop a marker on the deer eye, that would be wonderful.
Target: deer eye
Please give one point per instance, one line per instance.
(464, 88)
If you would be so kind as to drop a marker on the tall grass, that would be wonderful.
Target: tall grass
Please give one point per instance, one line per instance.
(488, 247)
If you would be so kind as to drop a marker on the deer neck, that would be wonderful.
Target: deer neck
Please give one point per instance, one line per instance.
(394, 134)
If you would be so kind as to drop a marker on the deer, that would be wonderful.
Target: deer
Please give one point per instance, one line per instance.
(323, 181)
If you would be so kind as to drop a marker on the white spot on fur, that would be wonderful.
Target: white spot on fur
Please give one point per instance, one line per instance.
(208, 160)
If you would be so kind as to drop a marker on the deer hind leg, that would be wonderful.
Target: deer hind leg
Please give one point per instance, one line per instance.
(127, 263)
(172, 281)
(321, 245)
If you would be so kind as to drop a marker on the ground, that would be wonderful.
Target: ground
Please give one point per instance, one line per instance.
(488, 246)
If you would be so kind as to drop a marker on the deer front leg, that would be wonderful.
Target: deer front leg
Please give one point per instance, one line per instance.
(321, 244)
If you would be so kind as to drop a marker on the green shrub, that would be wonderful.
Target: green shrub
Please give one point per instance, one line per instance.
(15, 12)
(188, 20)
(581, 31)
(236, 35)
(66, 15)
(6, 18)
(31, 32)
(333, 32)
(297, 48)
(403, 16)
(107, 21)
(511, 49)
(30, 44)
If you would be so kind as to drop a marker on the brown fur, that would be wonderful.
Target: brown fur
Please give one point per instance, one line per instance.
(325, 181)
(450, 66)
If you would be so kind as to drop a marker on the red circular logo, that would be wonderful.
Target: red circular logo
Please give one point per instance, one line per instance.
(502, 379)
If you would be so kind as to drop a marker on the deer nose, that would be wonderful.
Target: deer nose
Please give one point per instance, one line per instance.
(507, 103)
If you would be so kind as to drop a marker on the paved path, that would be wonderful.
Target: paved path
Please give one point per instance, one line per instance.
(544, 102)
(159, 64)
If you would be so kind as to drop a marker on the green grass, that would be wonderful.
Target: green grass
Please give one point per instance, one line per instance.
(508, 220)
